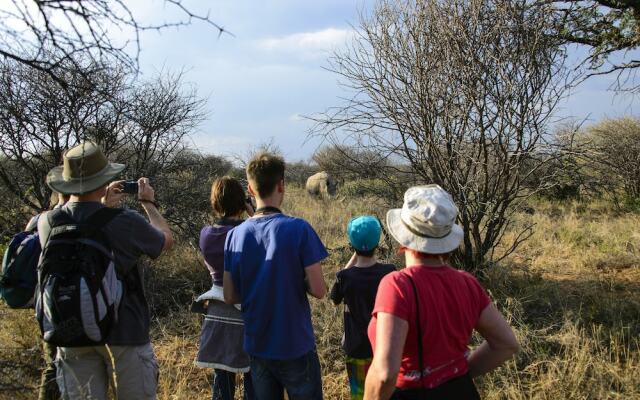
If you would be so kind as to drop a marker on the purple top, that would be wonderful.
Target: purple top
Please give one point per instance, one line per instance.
(212, 238)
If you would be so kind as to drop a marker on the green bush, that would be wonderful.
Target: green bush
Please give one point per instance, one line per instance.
(371, 188)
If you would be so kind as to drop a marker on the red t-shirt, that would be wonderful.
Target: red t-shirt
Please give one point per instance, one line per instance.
(450, 304)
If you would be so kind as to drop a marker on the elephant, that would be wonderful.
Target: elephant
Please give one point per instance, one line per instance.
(321, 185)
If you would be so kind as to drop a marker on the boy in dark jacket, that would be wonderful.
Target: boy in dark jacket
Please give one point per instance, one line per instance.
(356, 285)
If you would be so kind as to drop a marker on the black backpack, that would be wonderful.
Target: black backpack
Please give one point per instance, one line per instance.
(79, 290)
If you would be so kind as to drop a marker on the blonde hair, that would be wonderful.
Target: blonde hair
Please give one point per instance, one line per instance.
(265, 171)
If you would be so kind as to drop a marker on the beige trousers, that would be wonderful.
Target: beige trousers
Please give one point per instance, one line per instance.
(85, 373)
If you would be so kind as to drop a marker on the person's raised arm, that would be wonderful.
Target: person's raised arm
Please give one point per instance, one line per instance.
(314, 279)
(352, 261)
(229, 290)
(146, 196)
(391, 334)
(500, 342)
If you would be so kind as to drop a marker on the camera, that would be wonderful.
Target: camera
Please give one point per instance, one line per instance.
(130, 187)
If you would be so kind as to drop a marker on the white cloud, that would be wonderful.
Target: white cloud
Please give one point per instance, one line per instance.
(307, 44)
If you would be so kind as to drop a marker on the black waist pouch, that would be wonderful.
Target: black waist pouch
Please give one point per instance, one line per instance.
(459, 388)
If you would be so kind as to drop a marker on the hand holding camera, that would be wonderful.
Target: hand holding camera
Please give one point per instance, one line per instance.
(118, 189)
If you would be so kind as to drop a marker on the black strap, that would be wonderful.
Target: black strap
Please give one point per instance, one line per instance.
(268, 209)
(97, 220)
(419, 328)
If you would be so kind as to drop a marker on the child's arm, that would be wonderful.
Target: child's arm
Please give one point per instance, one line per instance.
(229, 290)
(352, 261)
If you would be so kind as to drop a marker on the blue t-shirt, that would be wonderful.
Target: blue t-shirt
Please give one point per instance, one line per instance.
(266, 257)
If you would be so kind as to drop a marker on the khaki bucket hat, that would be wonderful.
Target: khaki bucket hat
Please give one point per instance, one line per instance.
(426, 221)
(85, 168)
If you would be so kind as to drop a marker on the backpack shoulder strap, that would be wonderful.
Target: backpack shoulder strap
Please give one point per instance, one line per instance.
(102, 217)
(419, 329)
(58, 217)
(54, 218)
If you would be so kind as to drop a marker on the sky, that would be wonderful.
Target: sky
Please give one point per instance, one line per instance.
(260, 81)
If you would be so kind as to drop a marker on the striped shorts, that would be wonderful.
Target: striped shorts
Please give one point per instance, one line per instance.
(357, 371)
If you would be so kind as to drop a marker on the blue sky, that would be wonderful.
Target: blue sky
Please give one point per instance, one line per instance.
(259, 82)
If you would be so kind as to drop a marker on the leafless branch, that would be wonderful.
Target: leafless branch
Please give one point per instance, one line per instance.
(48, 34)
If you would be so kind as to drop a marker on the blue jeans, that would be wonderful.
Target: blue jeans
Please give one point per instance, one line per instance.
(300, 377)
(224, 385)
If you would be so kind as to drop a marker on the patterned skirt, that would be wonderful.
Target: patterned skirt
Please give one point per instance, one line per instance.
(221, 339)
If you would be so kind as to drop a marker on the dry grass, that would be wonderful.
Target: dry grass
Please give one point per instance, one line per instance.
(572, 292)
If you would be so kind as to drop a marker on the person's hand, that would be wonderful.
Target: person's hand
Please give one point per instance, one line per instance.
(145, 191)
(114, 194)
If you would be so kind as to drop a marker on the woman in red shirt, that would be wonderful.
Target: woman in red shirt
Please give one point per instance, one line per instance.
(424, 315)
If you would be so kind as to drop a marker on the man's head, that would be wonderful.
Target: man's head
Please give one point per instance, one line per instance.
(265, 173)
(364, 234)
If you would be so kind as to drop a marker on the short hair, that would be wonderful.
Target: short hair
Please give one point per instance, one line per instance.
(227, 196)
(365, 253)
(265, 170)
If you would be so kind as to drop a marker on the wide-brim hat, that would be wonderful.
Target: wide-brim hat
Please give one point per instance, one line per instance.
(426, 221)
(85, 168)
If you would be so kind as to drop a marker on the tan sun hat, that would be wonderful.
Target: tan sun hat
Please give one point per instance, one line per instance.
(426, 221)
(85, 168)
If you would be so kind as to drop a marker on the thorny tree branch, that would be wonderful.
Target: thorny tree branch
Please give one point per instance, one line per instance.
(48, 34)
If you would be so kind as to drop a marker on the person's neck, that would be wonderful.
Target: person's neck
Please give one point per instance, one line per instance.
(426, 261)
(365, 262)
(271, 201)
(86, 198)
(233, 217)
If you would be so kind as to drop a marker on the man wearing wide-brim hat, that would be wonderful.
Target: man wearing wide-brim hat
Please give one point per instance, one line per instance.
(88, 176)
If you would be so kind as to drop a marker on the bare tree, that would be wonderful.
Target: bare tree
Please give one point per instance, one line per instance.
(159, 115)
(462, 91)
(187, 188)
(142, 124)
(44, 35)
